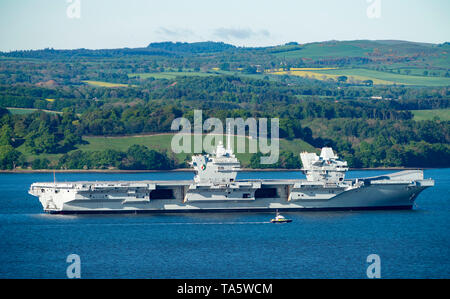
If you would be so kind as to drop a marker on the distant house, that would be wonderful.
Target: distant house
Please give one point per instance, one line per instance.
(381, 98)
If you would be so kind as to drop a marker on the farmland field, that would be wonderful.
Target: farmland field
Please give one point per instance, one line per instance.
(391, 77)
(104, 84)
(162, 142)
(319, 74)
(359, 74)
(172, 75)
(28, 110)
(432, 55)
(169, 75)
(442, 114)
(317, 50)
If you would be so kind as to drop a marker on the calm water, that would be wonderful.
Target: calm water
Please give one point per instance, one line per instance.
(411, 244)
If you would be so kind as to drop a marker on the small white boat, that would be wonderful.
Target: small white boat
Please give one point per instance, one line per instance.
(280, 219)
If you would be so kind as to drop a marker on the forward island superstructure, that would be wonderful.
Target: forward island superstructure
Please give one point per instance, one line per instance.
(216, 189)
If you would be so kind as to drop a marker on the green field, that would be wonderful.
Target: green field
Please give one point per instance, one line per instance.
(169, 75)
(28, 110)
(163, 142)
(391, 77)
(172, 75)
(434, 59)
(442, 114)
(104, 84)
(319, 50)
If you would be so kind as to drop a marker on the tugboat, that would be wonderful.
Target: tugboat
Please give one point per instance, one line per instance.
(280, 219)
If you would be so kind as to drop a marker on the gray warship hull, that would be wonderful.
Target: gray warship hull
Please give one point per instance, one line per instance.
(395, 191)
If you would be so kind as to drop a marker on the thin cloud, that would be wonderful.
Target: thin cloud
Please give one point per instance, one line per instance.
(238, 33)
(174, 33)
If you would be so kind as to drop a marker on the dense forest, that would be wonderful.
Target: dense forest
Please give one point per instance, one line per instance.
(52, 99)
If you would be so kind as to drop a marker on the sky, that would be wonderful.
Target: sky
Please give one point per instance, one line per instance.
(105, 24)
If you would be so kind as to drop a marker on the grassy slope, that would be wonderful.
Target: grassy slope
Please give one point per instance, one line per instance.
(163, 142)
(318, 50)
(434, 59)
(391, 77)
(442, 114)
(365, 48)
(172, 75)
(359, 74)
(321, 75)
(104, 84)
(28, 110)
(169, 75)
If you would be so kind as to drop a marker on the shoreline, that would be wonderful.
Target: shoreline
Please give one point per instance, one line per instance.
(190, 170)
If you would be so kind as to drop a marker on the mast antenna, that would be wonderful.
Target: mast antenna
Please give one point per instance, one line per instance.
(229, 139)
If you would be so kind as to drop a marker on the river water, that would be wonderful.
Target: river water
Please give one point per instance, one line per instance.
(411, 244)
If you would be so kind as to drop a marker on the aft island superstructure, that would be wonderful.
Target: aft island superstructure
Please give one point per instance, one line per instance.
(216, 189)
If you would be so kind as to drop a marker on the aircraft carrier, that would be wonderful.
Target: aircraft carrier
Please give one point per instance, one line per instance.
(215, 189)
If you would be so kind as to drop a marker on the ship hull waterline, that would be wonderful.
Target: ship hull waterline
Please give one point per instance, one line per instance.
(377, 197)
